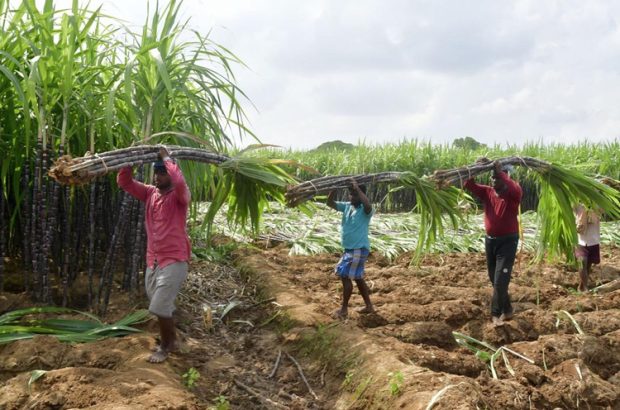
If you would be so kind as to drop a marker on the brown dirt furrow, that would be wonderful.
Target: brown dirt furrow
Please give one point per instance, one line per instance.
(420, 306)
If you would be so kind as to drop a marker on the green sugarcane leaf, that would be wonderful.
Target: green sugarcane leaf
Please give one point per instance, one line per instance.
(4, 329)
(494, 357)
(133, 318)
(228, 308)
(15, 315)
(13, 337)
(484, 356)
(34, 376)
(68, 324)
(106, 329)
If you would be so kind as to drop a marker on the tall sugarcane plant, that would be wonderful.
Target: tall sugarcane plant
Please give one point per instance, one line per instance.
(424, 157)
(74, 81)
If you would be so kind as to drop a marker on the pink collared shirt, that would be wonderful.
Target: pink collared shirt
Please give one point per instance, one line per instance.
(165, 216)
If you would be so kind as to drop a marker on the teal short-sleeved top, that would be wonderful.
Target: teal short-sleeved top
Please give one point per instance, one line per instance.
(355, 223)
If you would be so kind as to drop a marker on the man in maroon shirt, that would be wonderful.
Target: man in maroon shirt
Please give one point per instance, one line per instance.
(501, 210)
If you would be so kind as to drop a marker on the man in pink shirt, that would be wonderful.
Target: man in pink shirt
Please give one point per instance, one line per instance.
(168, 246)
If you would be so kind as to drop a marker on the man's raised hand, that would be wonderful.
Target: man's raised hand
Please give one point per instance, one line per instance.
(163, 152)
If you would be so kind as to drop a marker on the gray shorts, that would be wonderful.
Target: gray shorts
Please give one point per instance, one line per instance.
(162, 286)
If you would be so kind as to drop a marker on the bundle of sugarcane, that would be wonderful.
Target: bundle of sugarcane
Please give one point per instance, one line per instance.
(458, 176)
(614, 183)
(306, 190)
(434, 205)
(560, 188)
(77, 171)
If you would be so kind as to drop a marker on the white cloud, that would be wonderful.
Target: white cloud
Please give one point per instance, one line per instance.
(352, 69)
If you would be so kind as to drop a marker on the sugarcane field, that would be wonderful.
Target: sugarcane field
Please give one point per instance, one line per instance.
(260, 204)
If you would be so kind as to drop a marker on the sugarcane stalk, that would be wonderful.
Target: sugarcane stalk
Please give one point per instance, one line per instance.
(141, 255)
(44, 234)
(67, 248)
(129, 242)
(81, 170)
(25, 224)
(125, 154)
(91, 240)
(457, 176)
(138, 240)
(306, 190)
(35, 220)
(2, 235)
(107, 275)
(324, 184)
(80, 234)
(101, 168)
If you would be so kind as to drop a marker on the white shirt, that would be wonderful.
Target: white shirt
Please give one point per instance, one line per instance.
(591, 235)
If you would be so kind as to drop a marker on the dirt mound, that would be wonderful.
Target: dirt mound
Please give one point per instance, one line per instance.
(112, 373)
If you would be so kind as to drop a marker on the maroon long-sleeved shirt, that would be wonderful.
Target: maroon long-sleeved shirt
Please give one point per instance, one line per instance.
(500, 211)
(165, 215)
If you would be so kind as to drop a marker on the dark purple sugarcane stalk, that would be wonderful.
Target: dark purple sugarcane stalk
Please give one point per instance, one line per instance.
(128, 242)
(137, 252)
(35, 223)
(25, 223)
(46, 215)
(66, 222)
(80, 207)
(2, 236)
(107, 275)
(91, 239)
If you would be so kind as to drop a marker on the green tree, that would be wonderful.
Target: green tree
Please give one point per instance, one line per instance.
(467, 143)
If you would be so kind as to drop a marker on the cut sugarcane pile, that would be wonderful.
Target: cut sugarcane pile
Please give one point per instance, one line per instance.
(458, 176)
(308, 189)
(77, 171)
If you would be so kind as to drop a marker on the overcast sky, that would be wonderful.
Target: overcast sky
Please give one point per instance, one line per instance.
(499, 71)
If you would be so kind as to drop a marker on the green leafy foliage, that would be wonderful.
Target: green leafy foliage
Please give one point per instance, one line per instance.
(467, 143)
(221, 403)
(434, 206)
(396, 383)
(191, 377)
(561, 189)
(390, 234)
(27, 323)
(335, 145)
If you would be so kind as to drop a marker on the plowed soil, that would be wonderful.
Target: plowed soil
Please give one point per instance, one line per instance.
(348, 364)
(420, 306)
(231, 355)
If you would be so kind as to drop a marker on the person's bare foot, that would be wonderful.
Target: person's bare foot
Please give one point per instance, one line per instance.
(496, 321)
(158, 356)
(506, 316)
(366, 310)
(340, 314)
(176, 347)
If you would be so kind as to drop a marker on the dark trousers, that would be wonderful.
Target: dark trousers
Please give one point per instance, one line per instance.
(501, 252)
